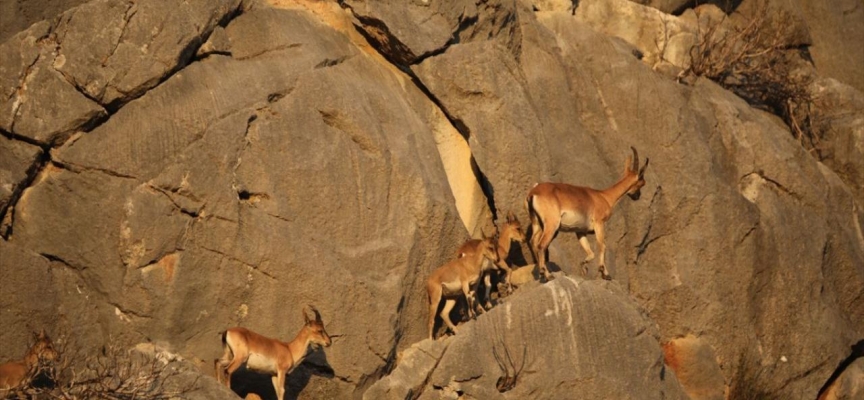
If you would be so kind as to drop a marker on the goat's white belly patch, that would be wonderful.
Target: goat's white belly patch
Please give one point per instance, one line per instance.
(259, 363)
(452, 288)
(574, 220)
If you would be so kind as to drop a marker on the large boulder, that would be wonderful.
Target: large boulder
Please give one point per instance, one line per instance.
(714, 159)
(566, 339)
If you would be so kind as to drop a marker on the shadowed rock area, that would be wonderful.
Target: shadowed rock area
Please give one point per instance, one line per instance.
(168, 171)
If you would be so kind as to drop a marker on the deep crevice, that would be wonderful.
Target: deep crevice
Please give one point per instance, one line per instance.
(414, 396)
(32, 172)
(458, 124)
(185, 58)
(464, 23)
(53, 258)
(21, 138)
(387, 44)
(78, 168)
(486, 187)
(857, 352)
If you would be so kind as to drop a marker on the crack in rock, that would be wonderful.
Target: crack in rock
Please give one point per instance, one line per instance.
(241, 262)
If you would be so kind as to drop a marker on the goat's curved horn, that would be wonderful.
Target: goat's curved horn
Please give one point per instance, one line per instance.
(315, 311)
(642, 170)
(635, 164)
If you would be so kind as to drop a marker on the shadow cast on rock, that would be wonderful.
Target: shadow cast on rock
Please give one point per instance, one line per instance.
(246, 381)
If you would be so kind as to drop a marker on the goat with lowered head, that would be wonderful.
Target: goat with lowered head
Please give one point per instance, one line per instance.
(459, 278)
(509, 233)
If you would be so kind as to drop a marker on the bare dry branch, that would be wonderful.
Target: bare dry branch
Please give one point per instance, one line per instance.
(112, 374)
(755, 63)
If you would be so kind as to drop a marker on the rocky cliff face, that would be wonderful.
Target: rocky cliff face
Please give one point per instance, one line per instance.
(171, 170)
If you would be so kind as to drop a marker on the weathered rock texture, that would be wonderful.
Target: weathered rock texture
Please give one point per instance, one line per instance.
(566, 339)
(233, 164)
(17, 15)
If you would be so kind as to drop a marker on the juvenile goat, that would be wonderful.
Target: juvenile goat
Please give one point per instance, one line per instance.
(554, 206)
(269, 356)
(459, 278)
(511, 232)
(14, 373)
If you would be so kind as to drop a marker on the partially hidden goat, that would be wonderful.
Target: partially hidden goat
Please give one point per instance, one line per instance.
(459, 278)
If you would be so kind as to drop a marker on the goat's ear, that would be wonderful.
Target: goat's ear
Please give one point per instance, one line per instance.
(511, 217)
(42, 334)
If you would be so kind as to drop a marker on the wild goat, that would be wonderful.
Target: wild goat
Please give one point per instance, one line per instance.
(554, 206)
(269, 356)
(459, 278)
(511, 232)
(14, 373)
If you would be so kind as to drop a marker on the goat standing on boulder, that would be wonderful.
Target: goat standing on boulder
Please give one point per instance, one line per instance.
(269, 356)
(512, 232)
(459, 278)
(554, 206)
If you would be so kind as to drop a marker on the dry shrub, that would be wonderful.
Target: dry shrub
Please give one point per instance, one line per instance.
(113, 373)
(755, 62)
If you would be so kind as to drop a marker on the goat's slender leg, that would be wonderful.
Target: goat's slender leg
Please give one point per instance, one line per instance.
(502, 264)
(279, 384)
(487, 280)
(583, 240)
(601, 248)
(445, 314)
(219, 370)
(434, 300)
(221, 364)
(235, 364)
(471, 297)
(536, 232)
(552, 223)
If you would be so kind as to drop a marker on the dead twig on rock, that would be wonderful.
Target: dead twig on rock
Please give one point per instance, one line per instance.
(508, 380)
